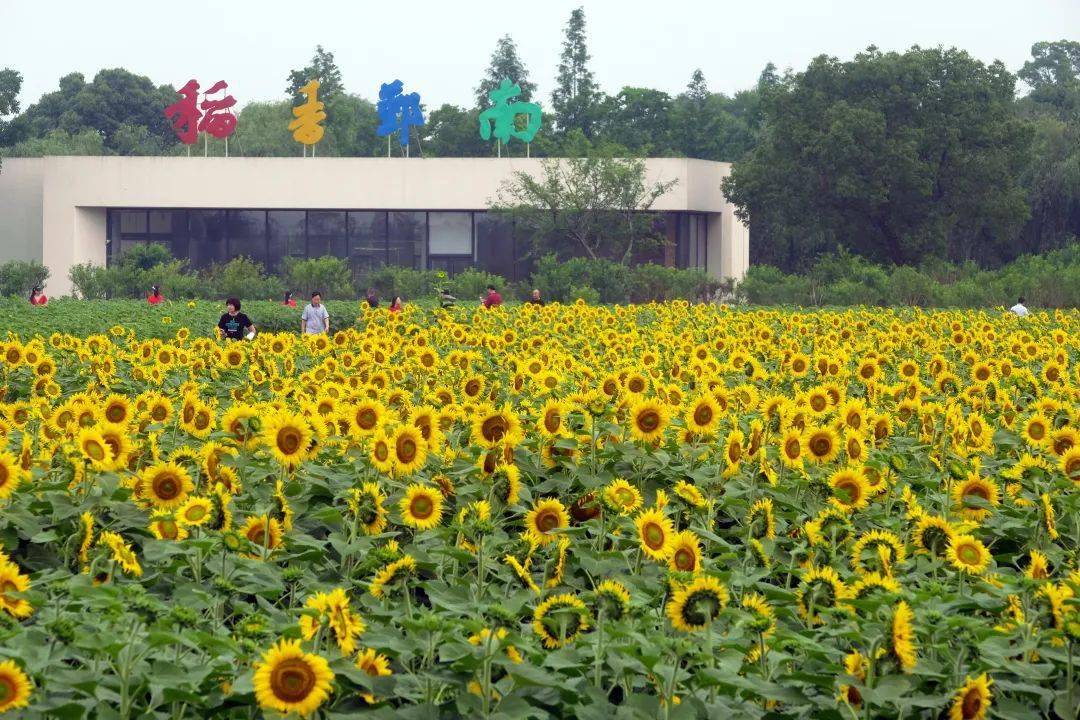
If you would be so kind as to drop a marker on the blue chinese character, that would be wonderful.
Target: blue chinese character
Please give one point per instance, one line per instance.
(397, 111)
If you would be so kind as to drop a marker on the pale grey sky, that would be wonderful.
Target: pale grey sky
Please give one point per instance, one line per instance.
(441, 48)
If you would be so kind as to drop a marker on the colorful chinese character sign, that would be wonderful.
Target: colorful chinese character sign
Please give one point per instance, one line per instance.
(184, 113)
(503, 115)
(215, 117)
(397, 112)
(306, 128)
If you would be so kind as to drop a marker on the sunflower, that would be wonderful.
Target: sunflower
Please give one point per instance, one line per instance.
(93, 448)
(396, 571)
(696, 604)
(1070, 464)
(374, 664)
(263, 532)
(118, 440)
(366, 504)
(968, 554)
(880, 547)
(792, 451)
(239, 422)
(546, 517)
(12, 580)
(14, 687)
(702, 417)
(291, 680)
(855, 665)
(421, 507)
(684, 552)
(654, 534)
(86, 520)
(332, 609)
(559, 620)
(690, 494)
(164, 526)
(822, 444)
(381, 455)
(288, 436)
(1039, 566)
(933, 535)
(195, 511)
(117, 409)
(903, 637)
(821, 588)
(551, 419)
(409, 451)
(11, 474)
(973, 487)
(121, 552)
(648, 419)
(612, 600)
(622, 497)
(972, 700)
(1036, 430)
(492, 427)
(850, 489)
(733, 452)
(506, 483)
(164, 485)
(760, 521)
(365, 417)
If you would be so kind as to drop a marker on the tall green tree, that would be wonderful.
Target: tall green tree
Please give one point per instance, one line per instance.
(1053, 74)
(576, 96)
(595, 206)
(639, 119)
(897, 156)
(452, 131)
(322, 68)
(10, 84)
(505, 63)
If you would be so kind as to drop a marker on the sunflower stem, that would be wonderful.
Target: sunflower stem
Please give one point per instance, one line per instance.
(598, 659)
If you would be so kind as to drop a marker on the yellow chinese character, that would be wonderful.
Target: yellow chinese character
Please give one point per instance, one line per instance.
(306, 128)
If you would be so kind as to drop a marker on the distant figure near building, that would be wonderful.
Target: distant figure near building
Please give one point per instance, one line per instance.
(289, 300)
(155, 297)
(446, 300)
(535, 298)
(234, 324)
(1019, 308)
(37, 297)
(315, 320)
(372, 298)
(493, 298)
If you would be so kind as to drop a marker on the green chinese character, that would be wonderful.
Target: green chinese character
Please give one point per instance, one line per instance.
(503, 115)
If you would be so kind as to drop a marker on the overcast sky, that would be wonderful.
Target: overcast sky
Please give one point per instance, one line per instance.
(441, 48)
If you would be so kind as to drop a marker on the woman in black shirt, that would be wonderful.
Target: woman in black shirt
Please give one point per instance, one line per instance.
(234, 324)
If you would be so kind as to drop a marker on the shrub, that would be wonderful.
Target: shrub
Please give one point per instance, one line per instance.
(242, 278)
(472, 284)
(908, 286)
(406, 282)
(19, 277)
(767, 285)
(330, 275)
(89, 281)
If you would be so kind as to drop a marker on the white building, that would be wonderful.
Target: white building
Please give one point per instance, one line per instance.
(418, 212)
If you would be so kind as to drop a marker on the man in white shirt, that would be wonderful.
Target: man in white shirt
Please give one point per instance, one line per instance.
(315, 319)
(1019, 308)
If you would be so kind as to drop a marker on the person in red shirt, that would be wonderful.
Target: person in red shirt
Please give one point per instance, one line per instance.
(37, 297)
(155, 297)
(395, 305)
(289, 299)
(493, 299)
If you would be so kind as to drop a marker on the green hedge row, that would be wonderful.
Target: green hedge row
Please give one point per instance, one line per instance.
(1051, 280)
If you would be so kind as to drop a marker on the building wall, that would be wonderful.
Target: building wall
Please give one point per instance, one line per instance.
(62, 200)
(20, 208)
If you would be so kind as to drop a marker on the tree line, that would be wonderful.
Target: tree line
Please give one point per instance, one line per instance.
(926, 155)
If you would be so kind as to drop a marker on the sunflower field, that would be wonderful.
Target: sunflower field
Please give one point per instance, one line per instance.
(666, 510)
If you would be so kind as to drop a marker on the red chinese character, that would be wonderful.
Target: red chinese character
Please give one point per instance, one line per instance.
(217, 119)
(186, 121)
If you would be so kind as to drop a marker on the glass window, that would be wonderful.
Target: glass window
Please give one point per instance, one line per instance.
(161, 222)
(450, 233)
(247, 234)
(367, 240)
(207, 237)
(132, 222)
(494, 244)
(326, 234)
(406, 239)
(285, 236)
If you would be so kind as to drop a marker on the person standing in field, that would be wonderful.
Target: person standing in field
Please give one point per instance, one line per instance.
(315, 319)
(37, 296)
(155, 297)
(493, 298)
(1019, 309)
(395, 304)
(535, 298)
(289, 300)
(234, 324)
(372, 298)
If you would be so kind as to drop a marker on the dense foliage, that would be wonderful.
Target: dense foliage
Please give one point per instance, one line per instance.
(664, 510)
(1050, 280)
